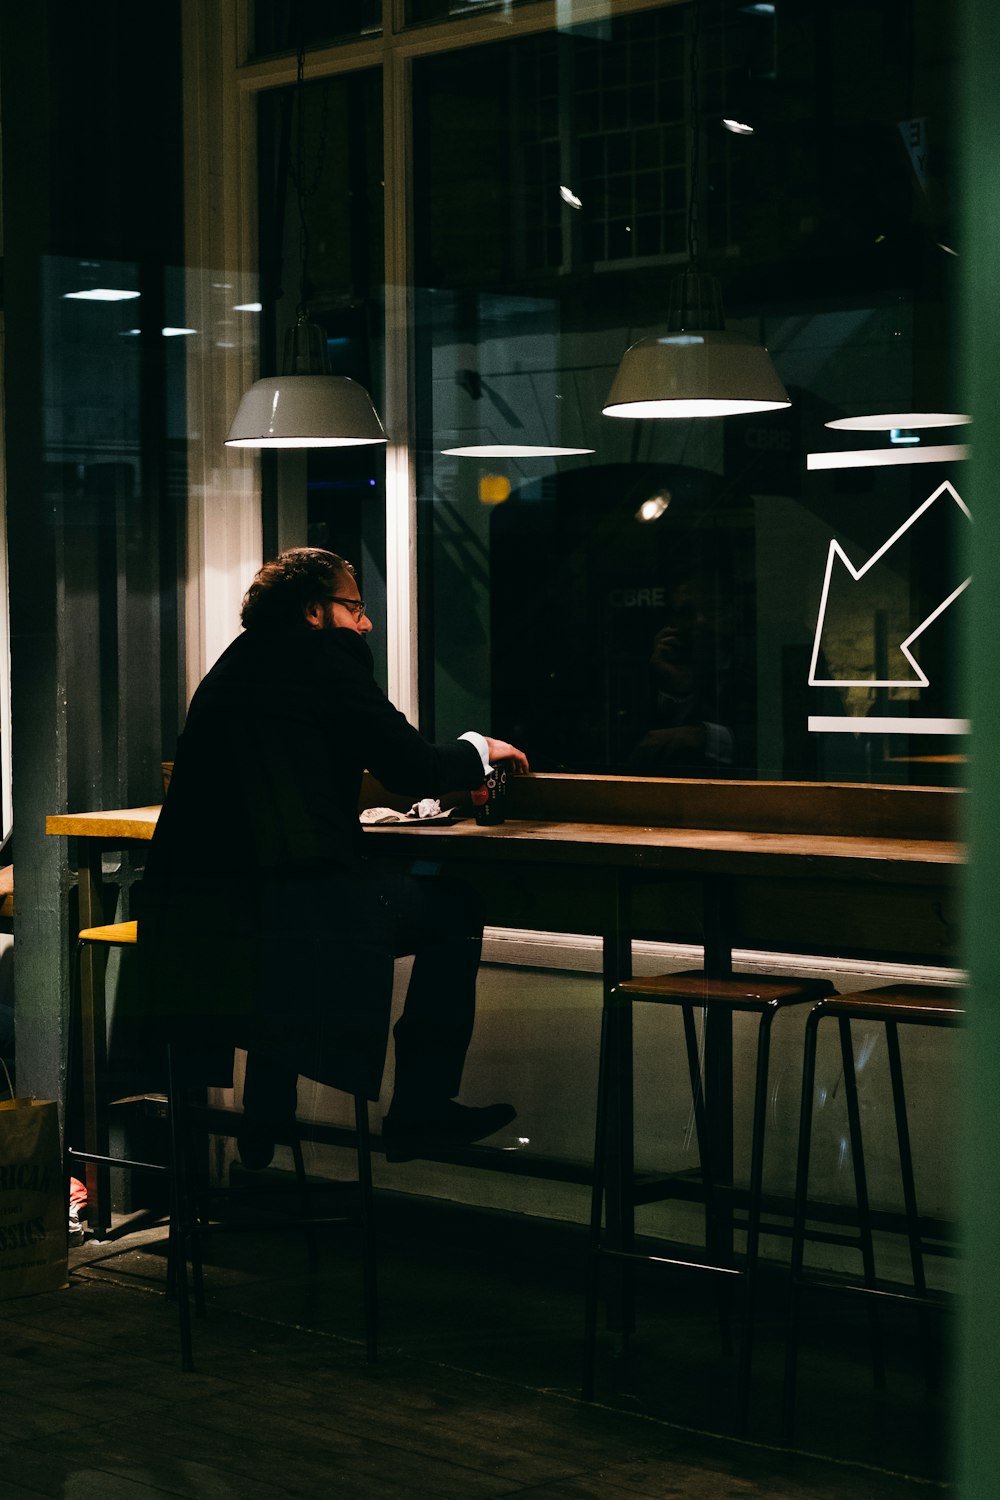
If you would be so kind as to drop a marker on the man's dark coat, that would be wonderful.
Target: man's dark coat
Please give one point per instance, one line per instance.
(262, 815)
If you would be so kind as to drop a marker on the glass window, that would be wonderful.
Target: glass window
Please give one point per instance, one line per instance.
(115, 447)
(690, 597)
(282, 26)
(418, 11)
(321, 228)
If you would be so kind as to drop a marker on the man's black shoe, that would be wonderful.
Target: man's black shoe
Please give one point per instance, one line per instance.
(457, 1125)
(255, 1143)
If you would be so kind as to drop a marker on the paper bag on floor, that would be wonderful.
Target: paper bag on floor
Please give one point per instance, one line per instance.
(32, 1206)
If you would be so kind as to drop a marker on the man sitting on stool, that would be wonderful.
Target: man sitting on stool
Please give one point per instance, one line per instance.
(290, 929)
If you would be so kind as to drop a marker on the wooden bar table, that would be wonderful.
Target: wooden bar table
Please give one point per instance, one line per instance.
(755, 865)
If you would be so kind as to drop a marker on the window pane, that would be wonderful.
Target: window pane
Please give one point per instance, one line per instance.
(112, 343)
(418, 11)
(281, 26)
(321, 228)
(691, 597)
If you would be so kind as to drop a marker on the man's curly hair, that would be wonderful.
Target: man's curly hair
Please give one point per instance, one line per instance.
(289, 583)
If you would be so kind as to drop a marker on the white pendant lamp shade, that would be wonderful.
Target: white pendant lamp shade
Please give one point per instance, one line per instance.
(696, 368)
(305, 411)
(896, 421)
(697, 374)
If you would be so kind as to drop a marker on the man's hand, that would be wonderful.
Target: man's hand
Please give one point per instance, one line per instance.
(500, 750)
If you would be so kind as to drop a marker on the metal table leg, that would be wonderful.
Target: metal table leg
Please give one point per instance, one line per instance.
(718, 913)
(93, 1037)
(620, 1157)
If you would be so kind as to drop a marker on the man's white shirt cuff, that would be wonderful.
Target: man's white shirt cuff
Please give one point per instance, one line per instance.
(479, 740)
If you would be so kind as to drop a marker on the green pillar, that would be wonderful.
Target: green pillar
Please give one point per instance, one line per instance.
(977, 1405)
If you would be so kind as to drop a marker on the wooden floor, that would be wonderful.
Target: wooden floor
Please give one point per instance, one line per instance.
(474, 1396)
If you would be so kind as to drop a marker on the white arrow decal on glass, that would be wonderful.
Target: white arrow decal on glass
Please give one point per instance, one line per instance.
(837, 554)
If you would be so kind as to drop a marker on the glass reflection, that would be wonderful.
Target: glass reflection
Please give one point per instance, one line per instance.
(282, 26)
(603, 632)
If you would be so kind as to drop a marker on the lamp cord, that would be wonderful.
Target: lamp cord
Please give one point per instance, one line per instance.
(296, 171)
(695, 137)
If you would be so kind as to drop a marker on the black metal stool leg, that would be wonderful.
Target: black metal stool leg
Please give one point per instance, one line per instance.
(367, 1217)
(196, 1219)
(910, 1195)
(186, 1246)
(619, 1166)
(592, 1278)
(753, 1214)
(180, 1210)
(861, 1194)
(705, 1159)
(302, 1183)
(799, 1226)
(905, 1157)
(700, 1124)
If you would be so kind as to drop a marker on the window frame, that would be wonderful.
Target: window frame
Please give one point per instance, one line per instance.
(220, 96)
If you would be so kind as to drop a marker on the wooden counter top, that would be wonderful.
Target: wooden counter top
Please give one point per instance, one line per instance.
(859, 896)
(728, 850)
(733, 851)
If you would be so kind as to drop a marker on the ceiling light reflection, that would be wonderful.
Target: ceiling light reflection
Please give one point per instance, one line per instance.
(890, 421)
(511, 450)
(100, 294)
(653, 508)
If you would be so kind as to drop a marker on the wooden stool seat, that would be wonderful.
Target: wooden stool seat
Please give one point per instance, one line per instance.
(762, 994)
(921, 1005)
(740, 991)
(124, 934)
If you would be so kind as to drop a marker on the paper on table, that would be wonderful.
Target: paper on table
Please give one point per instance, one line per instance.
(428, 810)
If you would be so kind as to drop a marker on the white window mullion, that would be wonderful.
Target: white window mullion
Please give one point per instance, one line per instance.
(6, 813)
(400, 477)
(224, 509)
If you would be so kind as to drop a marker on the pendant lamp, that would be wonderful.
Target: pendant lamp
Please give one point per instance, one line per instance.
(306, 406)
(930, 400)
(695, 367)
(904, 401)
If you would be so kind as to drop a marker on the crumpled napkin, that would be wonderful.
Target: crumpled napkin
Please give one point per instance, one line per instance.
(427, 807)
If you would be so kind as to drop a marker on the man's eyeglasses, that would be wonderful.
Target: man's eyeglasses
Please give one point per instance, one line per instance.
(356, 606)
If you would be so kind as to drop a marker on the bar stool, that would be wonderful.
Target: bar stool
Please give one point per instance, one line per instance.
(763, 995)
(185, 1229)
(898, 1005)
